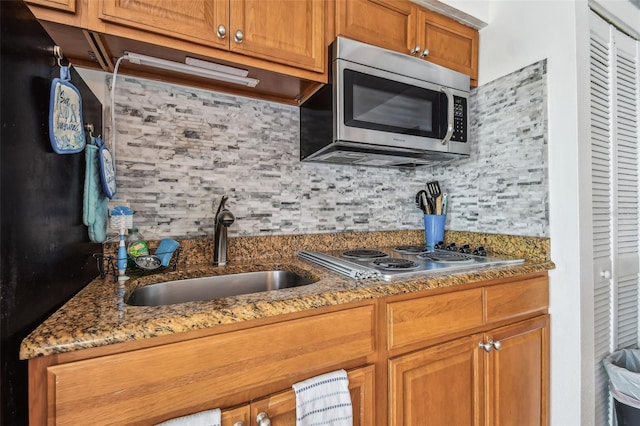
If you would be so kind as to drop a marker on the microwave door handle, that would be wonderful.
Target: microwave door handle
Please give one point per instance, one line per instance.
(449, 133)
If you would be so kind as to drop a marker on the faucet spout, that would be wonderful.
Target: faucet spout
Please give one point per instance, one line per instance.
(223, 219)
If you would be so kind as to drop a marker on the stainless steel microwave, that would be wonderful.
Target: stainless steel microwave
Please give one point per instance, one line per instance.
(384, 108)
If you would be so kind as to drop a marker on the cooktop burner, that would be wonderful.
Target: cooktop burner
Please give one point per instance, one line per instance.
(410, 249)
(394, 264)
(446, 256)
(363, 254)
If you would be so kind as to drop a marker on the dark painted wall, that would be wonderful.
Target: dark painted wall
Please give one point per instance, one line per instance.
(45, 251)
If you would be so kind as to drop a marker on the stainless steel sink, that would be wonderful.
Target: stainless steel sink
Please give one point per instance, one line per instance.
(215, 287)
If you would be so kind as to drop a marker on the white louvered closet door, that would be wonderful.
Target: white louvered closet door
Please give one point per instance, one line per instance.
(615, 112)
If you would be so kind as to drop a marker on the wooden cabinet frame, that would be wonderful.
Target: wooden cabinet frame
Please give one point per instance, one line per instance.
(389, 345)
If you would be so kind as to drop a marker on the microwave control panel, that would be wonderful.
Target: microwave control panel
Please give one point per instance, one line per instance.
(459, 119)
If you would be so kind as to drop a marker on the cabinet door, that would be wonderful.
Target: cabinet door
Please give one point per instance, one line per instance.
(517, 380)
(235, 416)
(64, 5)
(449, 43)
(281, 407)
(191, 20)
(440, 385)
(385, 23)
(291, 32)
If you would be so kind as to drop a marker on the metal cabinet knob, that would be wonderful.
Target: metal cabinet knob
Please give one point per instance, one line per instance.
(238, 424)
(606, 274)
(239, 36)
(490, 345)
(424, 53)
(222, 33)
(415, 50)
(486, 346)
(262, 419)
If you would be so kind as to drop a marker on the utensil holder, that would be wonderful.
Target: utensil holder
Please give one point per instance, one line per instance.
(434, 229)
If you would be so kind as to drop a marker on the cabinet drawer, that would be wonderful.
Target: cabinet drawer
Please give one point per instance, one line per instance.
(514, 299)
(412, 321)
(190, 376)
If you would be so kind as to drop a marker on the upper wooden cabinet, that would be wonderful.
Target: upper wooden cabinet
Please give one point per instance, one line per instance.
(386, 23)
(64, 5)
(407, 28)
(196, 20)
(290, 32)
(448, 43)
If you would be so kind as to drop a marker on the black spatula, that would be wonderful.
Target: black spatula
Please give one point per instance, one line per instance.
(433, 188)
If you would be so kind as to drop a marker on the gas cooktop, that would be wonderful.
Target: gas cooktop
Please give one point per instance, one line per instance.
(404, 261)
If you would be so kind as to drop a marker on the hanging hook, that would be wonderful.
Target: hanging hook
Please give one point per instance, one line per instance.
(89, 128)
(57, 52)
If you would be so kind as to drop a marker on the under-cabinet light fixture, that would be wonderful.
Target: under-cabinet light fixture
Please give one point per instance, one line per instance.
(136, 58)
(225, 69)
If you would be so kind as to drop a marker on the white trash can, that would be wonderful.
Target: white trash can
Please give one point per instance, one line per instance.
(623, 369)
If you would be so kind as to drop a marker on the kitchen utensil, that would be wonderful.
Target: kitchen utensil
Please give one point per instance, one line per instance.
(438, 204)
(433, 188)
(422, 201)
(445, 203)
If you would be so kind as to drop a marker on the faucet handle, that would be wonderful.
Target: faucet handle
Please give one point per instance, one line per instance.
(221, 205)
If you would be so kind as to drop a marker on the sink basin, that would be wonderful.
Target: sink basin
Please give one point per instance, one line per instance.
(215, 287)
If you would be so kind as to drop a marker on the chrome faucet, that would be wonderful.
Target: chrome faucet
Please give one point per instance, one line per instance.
(224, 218)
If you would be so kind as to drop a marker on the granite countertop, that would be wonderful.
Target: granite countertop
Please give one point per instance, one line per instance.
(97, 315)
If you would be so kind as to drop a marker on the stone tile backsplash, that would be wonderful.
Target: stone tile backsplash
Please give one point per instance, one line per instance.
(179, 149)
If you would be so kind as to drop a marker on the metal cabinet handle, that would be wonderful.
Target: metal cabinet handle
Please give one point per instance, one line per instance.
(486, 346)
(496, 345)
(262, 419)
(222, 33)
(424, 53)
(239, 36)
(238, 424)
(415, 50)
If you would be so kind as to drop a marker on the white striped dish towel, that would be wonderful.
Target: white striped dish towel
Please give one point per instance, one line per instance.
(203, 418)
(324, 400)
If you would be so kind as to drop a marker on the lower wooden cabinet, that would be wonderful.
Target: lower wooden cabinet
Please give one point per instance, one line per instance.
(476, 355)
(280, 408)
(440, 385)
(150, 385)
(517, 374)
(496, 378)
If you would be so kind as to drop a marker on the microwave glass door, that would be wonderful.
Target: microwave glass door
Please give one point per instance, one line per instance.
(376, 103)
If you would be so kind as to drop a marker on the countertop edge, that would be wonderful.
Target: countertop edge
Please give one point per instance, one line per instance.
(65, 332)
